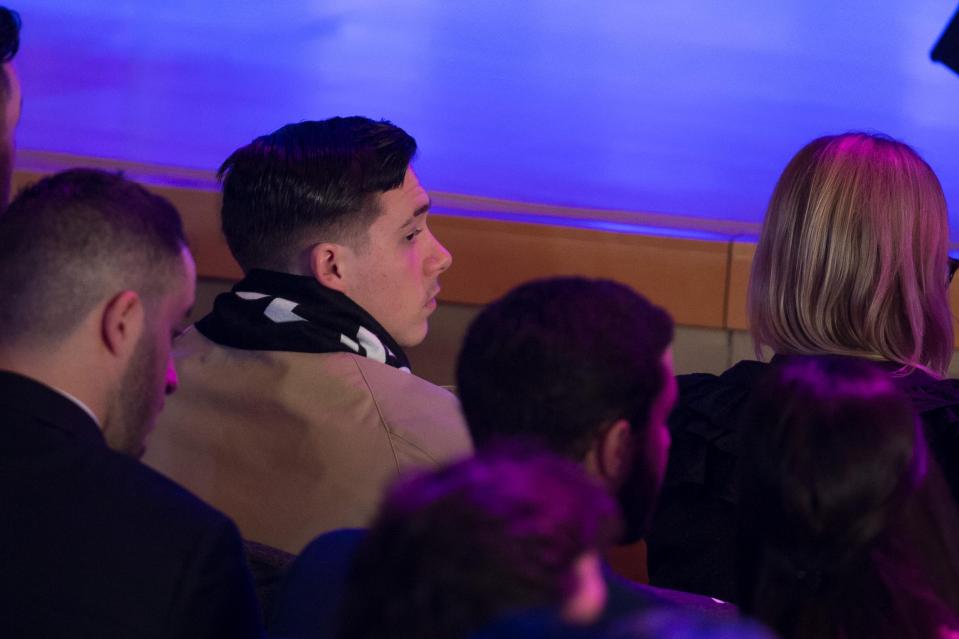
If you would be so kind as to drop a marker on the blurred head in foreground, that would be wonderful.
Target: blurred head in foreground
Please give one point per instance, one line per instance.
(454, 548)
(848, 529)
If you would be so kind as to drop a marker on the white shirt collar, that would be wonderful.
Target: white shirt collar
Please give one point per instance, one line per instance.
(86, 409)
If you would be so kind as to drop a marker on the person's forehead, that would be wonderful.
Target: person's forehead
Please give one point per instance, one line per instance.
(411, 188)
(399, 204)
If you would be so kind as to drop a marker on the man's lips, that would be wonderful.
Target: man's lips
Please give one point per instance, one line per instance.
(431, 301)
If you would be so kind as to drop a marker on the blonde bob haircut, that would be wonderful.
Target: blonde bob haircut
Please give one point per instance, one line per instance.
(853, 256)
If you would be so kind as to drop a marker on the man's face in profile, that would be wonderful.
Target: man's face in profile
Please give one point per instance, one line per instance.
(8, 126)
(394, 273)
(637, 495)
(151, 374)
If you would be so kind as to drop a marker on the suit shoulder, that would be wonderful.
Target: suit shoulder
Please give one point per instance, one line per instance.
(130, 482)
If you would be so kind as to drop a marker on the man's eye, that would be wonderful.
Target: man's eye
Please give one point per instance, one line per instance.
(412, 236)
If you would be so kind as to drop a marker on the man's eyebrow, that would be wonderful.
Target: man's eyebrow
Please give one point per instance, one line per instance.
(423, 210)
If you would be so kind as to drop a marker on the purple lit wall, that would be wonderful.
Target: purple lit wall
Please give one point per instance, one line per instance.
(687, 108)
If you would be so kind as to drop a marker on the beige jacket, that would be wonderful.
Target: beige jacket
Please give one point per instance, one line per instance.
(294, 444)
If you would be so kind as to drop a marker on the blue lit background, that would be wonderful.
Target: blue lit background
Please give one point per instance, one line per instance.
(687, 108)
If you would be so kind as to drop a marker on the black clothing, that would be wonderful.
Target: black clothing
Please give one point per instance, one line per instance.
(93, 544)
(270, 311)
(309, 598)
(692, 541)
(307, 603)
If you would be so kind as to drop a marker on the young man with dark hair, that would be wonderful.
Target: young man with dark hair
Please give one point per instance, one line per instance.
(97, 278)
(583, 367)
(298, 403)
(10, 98)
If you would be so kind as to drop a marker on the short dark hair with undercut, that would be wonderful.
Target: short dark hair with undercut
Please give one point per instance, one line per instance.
(74, 237)
(308, 182)
(558, 360)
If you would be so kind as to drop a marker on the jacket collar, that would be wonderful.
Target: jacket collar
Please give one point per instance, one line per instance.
(20, 394)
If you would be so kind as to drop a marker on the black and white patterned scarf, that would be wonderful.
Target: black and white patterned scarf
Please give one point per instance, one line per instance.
(270, 311)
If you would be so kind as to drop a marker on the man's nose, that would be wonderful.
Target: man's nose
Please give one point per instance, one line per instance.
(442, 256)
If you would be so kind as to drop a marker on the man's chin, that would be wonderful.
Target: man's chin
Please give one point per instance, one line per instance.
(129, 432)
(412, 339)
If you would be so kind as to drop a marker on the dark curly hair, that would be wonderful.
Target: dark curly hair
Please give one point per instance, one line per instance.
(558, 360)
(454, 548)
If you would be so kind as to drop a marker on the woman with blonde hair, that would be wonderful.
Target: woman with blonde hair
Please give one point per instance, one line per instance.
(852, 260)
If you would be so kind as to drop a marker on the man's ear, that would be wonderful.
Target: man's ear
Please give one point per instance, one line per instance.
(122, 323)
(327, 262)
(612, 455)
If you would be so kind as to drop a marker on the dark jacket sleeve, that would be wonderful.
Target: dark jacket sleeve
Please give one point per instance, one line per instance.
(941, 428)
(217, 597)
(692, 540)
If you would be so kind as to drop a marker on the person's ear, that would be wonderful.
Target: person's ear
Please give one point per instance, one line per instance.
(327, 261)
(122, 323)
(612, 456)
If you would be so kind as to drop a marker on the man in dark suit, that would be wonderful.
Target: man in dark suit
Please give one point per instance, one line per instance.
(96, 278)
